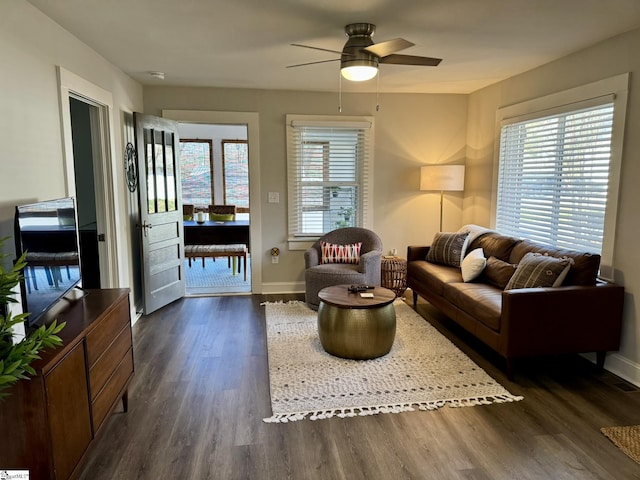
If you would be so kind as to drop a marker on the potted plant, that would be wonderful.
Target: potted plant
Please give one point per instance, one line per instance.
(345, 215)
(16, 357)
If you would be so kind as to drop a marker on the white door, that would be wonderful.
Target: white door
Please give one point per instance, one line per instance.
(162, 243)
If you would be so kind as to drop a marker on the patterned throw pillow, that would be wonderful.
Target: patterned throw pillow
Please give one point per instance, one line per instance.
(335, 253)
(537, 270)
(448, 248)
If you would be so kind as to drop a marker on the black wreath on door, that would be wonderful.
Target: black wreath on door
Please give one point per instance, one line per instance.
(131, 167)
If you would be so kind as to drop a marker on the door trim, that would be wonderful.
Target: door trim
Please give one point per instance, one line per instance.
(251, 120)
(107, 203)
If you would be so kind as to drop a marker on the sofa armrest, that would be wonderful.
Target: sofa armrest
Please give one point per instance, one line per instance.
(417, 252)
(537, 321)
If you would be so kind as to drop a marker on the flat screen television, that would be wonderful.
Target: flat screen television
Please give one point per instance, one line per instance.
(48, 232)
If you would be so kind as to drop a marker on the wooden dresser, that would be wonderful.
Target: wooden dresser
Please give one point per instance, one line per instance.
(49, 422)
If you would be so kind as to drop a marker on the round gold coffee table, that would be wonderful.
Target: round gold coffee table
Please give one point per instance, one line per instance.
(351, 326)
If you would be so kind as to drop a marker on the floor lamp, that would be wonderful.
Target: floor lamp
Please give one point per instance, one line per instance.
(446, 178)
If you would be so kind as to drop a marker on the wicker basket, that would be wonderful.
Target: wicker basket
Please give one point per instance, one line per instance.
(394, 274)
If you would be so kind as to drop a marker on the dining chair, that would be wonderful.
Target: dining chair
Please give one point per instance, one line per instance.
(188, 211)
(224, 213)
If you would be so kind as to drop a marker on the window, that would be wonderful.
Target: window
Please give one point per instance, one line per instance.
(235, 165)
(196, 171)
(328, 173)
(553, 179)
(558, 175)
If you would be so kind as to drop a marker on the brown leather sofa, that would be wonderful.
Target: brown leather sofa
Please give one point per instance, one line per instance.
(584, 314)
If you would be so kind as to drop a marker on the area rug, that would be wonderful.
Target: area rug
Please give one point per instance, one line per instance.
(423, 370)
(626, 439)
(215, 274)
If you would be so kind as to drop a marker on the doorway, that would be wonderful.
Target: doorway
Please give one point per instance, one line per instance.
(89, 136)
(81, 115)
(215, 171)
(252, 121)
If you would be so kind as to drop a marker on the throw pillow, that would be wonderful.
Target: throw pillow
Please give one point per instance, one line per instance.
(447, 248)
(498, 273)
(473, 265)
(335, 253)
(537, 270)
(221, 217)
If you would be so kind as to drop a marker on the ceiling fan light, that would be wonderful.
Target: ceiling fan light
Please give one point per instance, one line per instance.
(359, 73)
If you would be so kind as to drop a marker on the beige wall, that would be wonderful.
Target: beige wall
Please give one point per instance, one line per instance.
(410, 130)
(612, 57)
(31, 154)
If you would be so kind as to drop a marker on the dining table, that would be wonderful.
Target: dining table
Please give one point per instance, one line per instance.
(211, 232)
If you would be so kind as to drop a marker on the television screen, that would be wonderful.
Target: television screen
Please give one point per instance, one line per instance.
(47, 231)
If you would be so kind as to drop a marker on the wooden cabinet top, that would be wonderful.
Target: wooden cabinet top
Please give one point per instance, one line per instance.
(80, 316)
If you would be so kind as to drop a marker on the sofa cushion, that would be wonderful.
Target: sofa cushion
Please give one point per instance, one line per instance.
(497, 272)
(472, 265)
(584, 270)
(495, 245)
(335, 253)
(432, 275)
(537, 270)
(478, 300)
(448, 248)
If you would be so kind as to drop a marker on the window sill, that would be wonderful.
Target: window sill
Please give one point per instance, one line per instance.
(301, 243)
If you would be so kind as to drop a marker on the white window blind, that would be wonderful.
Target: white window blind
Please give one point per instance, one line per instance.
(328, 174)
(553, 178)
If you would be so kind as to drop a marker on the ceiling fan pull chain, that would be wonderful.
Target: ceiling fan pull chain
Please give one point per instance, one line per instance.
(378, 93)
(339, 92)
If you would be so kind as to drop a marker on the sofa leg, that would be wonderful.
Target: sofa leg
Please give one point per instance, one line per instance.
(510, 368)
(600, 356)
(415, 299)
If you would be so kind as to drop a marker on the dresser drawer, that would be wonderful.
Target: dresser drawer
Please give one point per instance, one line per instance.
(106, 331)
(112, 390)
(103, 368)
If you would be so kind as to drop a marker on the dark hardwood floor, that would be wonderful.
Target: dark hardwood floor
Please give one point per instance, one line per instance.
(201, 390)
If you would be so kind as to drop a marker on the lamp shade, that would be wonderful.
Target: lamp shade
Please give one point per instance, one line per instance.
(359, 73)
(448, 178)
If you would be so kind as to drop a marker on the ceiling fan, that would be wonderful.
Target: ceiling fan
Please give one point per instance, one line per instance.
(360, 57)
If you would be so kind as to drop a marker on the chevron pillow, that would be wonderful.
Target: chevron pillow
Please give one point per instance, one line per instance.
(335, 253)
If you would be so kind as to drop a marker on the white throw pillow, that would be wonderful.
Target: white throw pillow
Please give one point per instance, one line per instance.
(473, 264)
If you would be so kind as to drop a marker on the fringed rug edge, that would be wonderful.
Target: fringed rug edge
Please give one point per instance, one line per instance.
(396, 408)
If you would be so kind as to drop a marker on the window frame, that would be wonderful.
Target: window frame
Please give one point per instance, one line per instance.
(297, 241)
(610, 90)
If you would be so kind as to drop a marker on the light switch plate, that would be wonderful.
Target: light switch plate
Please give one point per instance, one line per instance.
(274, 197)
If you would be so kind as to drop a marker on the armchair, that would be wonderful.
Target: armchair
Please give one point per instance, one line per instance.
(318, 275)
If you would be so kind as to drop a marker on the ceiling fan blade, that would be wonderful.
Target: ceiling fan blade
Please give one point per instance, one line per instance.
(312, 63)
(410, 60)
(316, 48)
(383, 49)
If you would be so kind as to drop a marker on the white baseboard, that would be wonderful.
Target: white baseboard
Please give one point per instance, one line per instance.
(623, 367)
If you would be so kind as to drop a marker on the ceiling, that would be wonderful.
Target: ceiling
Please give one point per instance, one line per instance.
(246, 43)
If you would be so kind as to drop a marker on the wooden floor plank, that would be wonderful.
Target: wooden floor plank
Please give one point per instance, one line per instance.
(201, 390)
